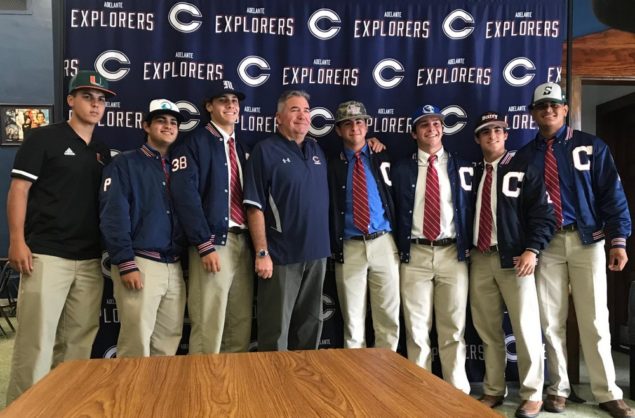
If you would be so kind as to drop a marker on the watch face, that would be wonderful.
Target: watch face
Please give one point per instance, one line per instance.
(262, 253)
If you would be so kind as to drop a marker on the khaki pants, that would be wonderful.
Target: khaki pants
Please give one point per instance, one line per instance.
(58, 317)
(567, 262)
(151, 318)
(220, 304)
(434, 281)
(369, 267)
(491, 290)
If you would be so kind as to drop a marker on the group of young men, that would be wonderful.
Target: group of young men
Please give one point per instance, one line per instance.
(532, 223)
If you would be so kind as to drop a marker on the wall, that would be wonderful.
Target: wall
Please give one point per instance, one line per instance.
(26, 77)
(595, 94)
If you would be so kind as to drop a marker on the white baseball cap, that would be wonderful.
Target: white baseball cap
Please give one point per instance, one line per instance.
(548, 92)
(161, 107)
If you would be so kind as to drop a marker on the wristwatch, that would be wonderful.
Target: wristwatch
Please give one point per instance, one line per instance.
(263, 253)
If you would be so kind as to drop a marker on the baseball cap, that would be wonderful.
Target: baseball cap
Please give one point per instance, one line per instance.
(425, 111)
(220, 87)
(489, 119)
(162, 107)
(351, 110)
(548, 92)
(85, 79)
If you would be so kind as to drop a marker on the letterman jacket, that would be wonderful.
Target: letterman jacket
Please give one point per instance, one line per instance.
(136, 215)
(600, 204)
(404, 181)
(337, 175)
(200, 186)
(524, 218)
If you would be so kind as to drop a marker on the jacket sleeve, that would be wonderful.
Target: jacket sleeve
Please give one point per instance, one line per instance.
(115, 223)
(610, 198)
(539, 220)
(184, 188)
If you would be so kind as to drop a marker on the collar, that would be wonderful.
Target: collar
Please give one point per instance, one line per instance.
(560, 134)
(494, 163)
(350, 154)
(150, 152)
(422, 156)
(224, 135)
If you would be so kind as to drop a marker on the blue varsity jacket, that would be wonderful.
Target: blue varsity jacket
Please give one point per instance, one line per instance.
(136, 215)
(524, 218)
(200, 186)
(600, 204)
(404, 180)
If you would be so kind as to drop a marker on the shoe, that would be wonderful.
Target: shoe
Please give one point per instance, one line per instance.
(555, 403)
(491, 401)
(617, 409)
(529, 409)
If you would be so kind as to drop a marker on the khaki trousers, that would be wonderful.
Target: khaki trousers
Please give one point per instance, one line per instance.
(370, 267)
(567, 262)
(491, 290)
(434, 281)
(58, 316)
(220, 304)
(151, 318)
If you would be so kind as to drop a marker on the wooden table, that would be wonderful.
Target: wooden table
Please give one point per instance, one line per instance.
(323, 383)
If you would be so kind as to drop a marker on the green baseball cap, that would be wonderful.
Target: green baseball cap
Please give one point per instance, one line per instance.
(85, 79)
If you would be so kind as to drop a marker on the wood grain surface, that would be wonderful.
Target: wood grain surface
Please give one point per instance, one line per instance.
(323, 383)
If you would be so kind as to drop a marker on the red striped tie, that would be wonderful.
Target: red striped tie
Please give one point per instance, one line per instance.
(432, 205)
(552, 181)
(485, 219)
(236, 204)
(361, 213)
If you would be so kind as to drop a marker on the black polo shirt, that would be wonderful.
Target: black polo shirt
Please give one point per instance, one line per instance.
(62, 216)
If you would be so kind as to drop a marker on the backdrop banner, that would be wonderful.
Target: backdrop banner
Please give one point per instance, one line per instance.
(465, 57)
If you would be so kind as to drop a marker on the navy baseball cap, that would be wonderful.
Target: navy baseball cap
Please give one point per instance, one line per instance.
(163, 107)
(221, 87)
(489, 119)
(89, 80)
(426, 111)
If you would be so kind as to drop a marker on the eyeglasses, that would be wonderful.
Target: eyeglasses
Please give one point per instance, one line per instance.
(546, 105)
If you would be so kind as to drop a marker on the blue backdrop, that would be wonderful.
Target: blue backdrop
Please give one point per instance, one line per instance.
(464, 56)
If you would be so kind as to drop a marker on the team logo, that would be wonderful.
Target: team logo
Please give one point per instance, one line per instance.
(324, 113)
(581, 159)
(461, 122)
(465, 31)
(324, 14)
(286, 160)
(244, 69)
(465, 176)
(316, 160)
(181, 26)
(111, 352)
(392, 64)
(328, 307)
(112, 55)
(189, 108)
(512, 182)
(105, 265)
(510, 341)
(521, 80)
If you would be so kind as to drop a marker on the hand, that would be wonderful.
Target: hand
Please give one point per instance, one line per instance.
(132, 280)
(264, 267)
(376, 145)
(211, 262)
(526, 264)
(617, 259)
(20, 257)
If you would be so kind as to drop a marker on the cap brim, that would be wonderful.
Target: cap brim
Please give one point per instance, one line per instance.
(238, 94)
(109, 93)
(531, 106)
(179, 117)
(498, 123)
(364, 117)
(428, 115)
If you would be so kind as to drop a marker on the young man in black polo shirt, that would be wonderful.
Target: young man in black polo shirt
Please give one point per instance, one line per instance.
(52, 209)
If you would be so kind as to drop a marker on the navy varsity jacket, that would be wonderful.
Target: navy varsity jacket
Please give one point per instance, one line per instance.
(337, 174)
(600, 204)
(524, 218)
(200, 186)
(404, 181)
(136, 210)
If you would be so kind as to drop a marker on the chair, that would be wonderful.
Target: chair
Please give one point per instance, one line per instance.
(8, 291)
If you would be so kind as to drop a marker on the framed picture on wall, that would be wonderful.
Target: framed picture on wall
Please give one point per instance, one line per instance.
(17, 120)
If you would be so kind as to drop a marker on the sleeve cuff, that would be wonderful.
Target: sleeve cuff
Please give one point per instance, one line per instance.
(127, 267)
(206, 247)
(619, 242)
(533, 250)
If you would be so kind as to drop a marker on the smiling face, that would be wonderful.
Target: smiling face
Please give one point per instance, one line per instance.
(428, 133)
(492, 141)
(162, 131)
(224, 111)
(353, 133)
(294, 118)
(549, 117)
(88, 105)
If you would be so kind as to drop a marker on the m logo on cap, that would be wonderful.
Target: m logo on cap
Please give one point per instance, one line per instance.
(93, 80)
(228, 85)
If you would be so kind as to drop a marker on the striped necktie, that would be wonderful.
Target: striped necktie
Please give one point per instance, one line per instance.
(552, 182)
(361, 212)
(236, 205)
(432, 205)
(485, 220)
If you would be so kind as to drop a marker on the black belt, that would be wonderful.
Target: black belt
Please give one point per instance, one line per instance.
(569, 228)
(438, 243)
(369, 237)
(492, 249)
(237, 230)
